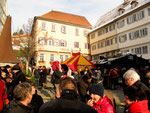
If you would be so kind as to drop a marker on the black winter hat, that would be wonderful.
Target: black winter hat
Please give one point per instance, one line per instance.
(16, 67)
(7, 66)
(97, 89)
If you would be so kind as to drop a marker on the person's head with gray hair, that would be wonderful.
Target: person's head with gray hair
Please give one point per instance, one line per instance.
(131, 76)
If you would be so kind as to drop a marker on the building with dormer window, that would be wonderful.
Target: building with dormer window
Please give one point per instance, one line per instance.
(131, 31)
(58, 35)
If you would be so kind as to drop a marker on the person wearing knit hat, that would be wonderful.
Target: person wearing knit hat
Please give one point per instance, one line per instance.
(97, 89)
(99, 101)
(16, 67)
(18, 75)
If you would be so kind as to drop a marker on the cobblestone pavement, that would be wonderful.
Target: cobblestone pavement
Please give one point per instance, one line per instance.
(48, 94)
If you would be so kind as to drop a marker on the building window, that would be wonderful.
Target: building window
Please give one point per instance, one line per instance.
(62, 43)
(53, 27)
(122, 38)
(61, 58)
(138, 50)
(77, 32)
(66, 57)
(112, 27)
(133, 5)
(56, 42)
(98, 45)
(99, 32)
(63, 29)
(135, 17)
(51, 57)
(120, 23)
(85, 33)
(49, 42)
(86, 45)
(132, 50)
(106, 29)
(102, 44)
(41, 56)
(41, 41)
(76, 44)
(149, 11)
(93, 36)
(143, 32)
(94, 47)
(145, 50)
(138, 34)
(121, 11)
(107, 42)
(113, 41)
(43, 25)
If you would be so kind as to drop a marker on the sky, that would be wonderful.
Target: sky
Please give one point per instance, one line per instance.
(22, 10)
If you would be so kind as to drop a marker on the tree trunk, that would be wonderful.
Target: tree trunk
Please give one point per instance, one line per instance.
(27, 67)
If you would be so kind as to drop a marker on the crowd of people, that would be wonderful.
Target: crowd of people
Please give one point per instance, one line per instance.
(81, 91)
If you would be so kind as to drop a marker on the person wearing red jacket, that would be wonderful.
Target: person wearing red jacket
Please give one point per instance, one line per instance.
(3, 91)
(99, 101)
(136, 100)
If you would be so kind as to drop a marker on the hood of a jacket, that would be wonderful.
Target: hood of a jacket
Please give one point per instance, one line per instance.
(139, 107)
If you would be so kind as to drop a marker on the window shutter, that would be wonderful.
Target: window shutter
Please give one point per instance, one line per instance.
(61, 28)
(65, 43)
(45, 41)
(59, 42)
(88, 46)
(127, 20)
(85, 45)
(78, 44)
(52, 42)
(64, 29)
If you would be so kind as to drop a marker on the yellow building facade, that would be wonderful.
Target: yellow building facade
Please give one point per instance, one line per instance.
(57, 35)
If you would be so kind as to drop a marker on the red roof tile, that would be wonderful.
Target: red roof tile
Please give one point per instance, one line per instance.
(66, 17)
(22, 35)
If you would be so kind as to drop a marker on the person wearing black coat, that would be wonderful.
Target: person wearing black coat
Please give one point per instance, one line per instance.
(83, 85)
(17, 107)
(18, 75)
(57, 74)
(68, 102)
(22, 98)
(36, 76)
(36, 102)
(44, 76)
(133, 79)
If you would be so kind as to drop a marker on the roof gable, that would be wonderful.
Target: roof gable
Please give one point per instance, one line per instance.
(113, 14)
(66, 17)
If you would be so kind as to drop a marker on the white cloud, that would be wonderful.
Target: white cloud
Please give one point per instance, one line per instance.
(21, 10)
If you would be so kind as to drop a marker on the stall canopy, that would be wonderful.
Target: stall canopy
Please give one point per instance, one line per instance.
(77, 61)
(128, 60)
